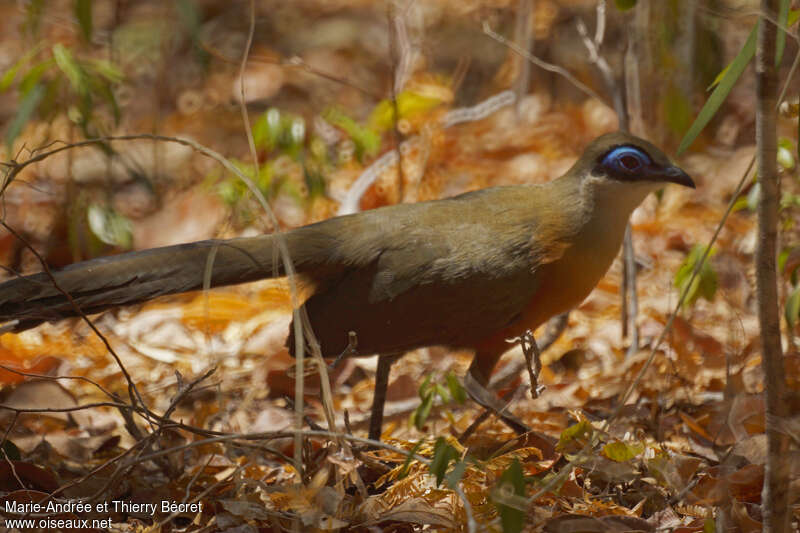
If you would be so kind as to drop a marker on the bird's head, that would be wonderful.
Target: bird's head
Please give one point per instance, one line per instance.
(619, 169)
(624, 158)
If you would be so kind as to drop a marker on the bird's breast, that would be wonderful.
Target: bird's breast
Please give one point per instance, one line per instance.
(566, 281)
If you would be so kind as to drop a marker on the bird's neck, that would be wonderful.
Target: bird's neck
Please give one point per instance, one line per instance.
(609, 204)
(601, 210)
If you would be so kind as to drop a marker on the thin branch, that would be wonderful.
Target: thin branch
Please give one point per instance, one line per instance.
(133, 391)
(117, 405)
(297, 61)
(395, 28)
(600, 30)
(542, 64)
(56, 378)
(605, 71)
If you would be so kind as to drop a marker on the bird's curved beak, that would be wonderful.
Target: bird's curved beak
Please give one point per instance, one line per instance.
(673, 174)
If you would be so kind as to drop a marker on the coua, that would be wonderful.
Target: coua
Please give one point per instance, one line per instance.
(465, 272)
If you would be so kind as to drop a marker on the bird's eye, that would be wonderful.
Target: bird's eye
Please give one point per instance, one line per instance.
(626, 159)
(630, 162)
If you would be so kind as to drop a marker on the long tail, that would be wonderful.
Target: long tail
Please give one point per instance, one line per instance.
(135, 277)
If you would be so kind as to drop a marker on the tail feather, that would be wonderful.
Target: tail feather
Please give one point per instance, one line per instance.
(135, 277)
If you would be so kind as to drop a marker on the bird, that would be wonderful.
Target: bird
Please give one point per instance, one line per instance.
(465, 272)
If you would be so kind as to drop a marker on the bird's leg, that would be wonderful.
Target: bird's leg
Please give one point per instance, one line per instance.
(351, 350)
(379, 399)
(475, 384)
(533, 360)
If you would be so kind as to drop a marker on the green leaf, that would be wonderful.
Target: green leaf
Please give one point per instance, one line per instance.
(792, 309)
(267, 129)
(409, 103)
(786, 151)
(753, 196)
(109, 226)
(785, 158)
(719, 77)
(622, 451)
(442, 392)
(34, 75)
(454, 477)
(10, 75)
(366, 140)
(580, 431)
(729, 79)
(704, 284)
(456, 388)
(107, 70)
(741, 203)
(83, 12)
(409, 458)
(25, 109)
(425, 386)
(443, 454)
(71, 69)
(625, 5)
(421, 413)
(782, 258)
(512, 518)
(783, 21)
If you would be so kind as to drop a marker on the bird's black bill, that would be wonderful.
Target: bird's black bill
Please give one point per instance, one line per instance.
(676, 175)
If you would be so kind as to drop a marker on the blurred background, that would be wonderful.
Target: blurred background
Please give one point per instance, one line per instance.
(333, 90)
(318, 87)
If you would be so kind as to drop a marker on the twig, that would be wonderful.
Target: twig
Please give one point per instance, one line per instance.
(523, 33)
(602, 65)
(542, 64)
(196, 476)
(133, 392)
(56, 378)
(472, 526)
(629, 284)
(481, 418)
(395, 28)
(117, 405)
(297, 61)
(490, 401)
(298, 331)
(184, 390)
(272, 435)
(160, 525)
(600, 30)
(280, 240)
(6, 458)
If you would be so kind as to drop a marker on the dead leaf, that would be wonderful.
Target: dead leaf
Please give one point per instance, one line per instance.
(41, 394)
(414, 510)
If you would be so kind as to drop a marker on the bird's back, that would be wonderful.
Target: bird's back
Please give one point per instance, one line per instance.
(448, 272)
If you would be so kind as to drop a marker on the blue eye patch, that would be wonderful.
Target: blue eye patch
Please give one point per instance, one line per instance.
(626, 159)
